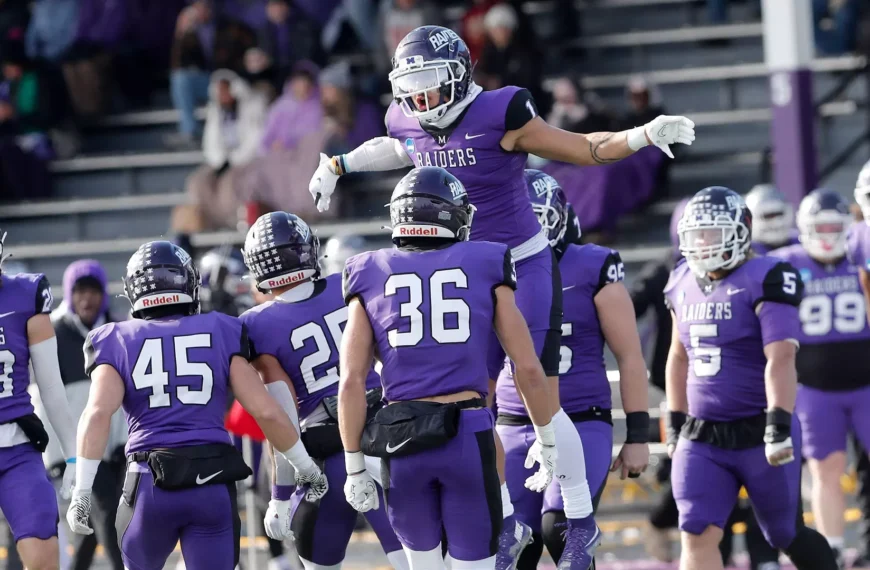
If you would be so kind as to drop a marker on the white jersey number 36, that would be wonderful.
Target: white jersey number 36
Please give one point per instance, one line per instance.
(439, 308)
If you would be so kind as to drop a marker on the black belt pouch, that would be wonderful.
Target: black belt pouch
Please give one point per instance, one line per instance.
(194, 466)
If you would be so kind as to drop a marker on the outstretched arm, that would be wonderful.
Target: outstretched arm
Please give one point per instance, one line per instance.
(375, 155)
(542, 139)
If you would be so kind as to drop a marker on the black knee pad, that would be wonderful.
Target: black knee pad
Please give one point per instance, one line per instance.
(531, 554)
(553, 527)
(810, 551)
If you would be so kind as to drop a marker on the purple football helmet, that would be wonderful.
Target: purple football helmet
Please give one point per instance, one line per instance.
(280, 249)
(715, 230)
(161, 274)
(430, 58)
(430, 202)
(550, 205)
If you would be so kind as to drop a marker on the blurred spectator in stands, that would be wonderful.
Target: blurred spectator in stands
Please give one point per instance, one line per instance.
(290, 148)
(836, 25)
(507, 59)
(396, 18)
(355, 16)
(233, 128)
(577, 111)
(204, 40)
(85, 307)
(643, 102)
(33, 104)
(296, 113)
(350, 120)
(288, 36)
(260, 72)
(14, 17)
(472, 29)
(52, 29)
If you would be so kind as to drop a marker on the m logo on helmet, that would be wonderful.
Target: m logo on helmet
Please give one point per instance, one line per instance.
(443, 38)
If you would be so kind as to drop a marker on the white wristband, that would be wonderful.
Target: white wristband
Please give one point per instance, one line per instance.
(86, 471)
(546, 434)
(298, 457)
(354, 462)
(636, 138)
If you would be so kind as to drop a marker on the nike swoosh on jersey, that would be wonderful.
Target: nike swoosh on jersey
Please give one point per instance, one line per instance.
(392, 449)
(734, 291)
(569, 287)
(200, 481)
(468, 137)
(7, 314)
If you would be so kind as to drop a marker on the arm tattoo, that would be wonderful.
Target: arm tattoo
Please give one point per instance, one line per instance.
(595, 143)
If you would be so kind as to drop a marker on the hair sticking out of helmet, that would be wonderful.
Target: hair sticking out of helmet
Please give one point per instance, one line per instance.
(431, 72)
(715, 231)
(772, 214)
(429, 202)
(281, 250)
(161, 279)
(823, 220)
(549, 204)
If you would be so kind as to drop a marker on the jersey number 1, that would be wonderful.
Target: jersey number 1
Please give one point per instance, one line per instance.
(150, 373)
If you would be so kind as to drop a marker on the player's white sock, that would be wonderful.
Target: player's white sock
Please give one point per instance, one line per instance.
(308, 565)
(507, 507)
(398, 560)
(425, 560)
(571, 468)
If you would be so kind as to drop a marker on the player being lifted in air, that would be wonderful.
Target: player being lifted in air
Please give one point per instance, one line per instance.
(427, 309)
(441, 118)
(295, 340)
(27, 497)
(731, 386)
(598, 308)
(170, 368)
(832, 364)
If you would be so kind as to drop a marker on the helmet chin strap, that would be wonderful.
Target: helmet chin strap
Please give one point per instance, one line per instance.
(453, 112)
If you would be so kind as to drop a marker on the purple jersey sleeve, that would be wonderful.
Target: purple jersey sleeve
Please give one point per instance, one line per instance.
(855, 244)
(778, 322)
(234, 335)
(781, 284)
(44, 299)
(677, 274)
(100, 348)
(351, 282)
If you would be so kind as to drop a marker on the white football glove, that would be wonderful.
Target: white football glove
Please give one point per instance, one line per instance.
(361, 492)
(666, 130)
(779, 453)
(314, 480)
(322, 183)
(69, 480)
(277, 520)
(546, 455)
(79, 512)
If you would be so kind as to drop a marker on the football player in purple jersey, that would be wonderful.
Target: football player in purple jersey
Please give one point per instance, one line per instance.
(427, 309)
(598, 309)
(441, 118)
(834, 335)
(731, 385)
(27, 497)
(295, 340)
(171, 368)
(773, 217)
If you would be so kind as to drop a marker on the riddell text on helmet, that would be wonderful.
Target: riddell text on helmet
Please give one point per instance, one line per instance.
(286, 280)
(161, 300)
(418, 231)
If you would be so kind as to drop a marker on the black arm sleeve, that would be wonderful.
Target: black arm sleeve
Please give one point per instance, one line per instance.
(520, 110)
(44, 299)
(90, 356)
(246, 346)
(782, 284)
